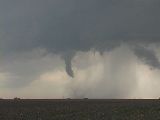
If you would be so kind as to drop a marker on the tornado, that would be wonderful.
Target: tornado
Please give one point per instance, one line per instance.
(68, 64)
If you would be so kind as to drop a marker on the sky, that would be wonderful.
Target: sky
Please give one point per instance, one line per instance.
(79, 48)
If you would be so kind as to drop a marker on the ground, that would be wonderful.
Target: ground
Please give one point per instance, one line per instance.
(80, 109)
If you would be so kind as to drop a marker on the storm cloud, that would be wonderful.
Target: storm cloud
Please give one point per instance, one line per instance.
(64, 28)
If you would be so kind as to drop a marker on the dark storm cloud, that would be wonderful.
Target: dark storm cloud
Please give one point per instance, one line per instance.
(62, 26)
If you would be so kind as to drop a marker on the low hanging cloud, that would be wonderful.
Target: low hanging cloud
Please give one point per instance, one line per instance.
(147, 56)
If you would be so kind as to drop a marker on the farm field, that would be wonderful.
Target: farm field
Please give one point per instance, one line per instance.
(80, 109)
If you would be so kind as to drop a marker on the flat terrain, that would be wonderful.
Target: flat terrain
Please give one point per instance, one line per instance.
(85, 109)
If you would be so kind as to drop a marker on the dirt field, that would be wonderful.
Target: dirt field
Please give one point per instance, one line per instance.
(85, 109)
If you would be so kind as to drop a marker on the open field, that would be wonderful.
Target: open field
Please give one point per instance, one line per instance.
(80, 109)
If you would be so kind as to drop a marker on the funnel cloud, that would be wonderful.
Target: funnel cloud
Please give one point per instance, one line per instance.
(68, 63)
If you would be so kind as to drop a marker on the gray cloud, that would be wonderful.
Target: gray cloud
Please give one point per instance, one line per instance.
(147, 56)
(23, 69)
